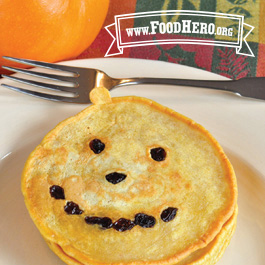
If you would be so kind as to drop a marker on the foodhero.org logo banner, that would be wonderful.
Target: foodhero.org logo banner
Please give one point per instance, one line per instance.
(180, 27)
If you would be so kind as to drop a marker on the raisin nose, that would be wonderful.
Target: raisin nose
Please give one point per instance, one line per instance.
(115, 177)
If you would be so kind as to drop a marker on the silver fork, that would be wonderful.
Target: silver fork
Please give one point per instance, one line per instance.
(83, 80)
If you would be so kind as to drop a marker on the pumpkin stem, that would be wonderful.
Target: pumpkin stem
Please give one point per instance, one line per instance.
(100, 95)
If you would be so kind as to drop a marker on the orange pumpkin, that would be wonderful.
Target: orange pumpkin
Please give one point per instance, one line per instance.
(49, 30)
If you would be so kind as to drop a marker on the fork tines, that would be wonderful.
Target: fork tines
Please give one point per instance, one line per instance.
(42, 64)
(71, 80)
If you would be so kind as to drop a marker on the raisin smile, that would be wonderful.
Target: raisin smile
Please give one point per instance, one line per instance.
(122, 224)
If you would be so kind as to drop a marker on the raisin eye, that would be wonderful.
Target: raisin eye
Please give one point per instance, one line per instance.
(96, 146)
(158, 154)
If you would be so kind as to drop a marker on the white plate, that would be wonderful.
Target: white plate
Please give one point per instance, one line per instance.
(237, 123)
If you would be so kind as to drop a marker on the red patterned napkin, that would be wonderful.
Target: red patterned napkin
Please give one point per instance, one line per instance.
(239, 55)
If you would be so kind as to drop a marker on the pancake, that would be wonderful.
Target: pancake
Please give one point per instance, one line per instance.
(128, 181)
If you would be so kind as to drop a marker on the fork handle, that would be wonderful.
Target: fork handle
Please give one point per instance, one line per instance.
(221, 85)
(253, 87)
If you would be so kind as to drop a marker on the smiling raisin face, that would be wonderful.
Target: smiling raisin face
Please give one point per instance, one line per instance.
(122, 224)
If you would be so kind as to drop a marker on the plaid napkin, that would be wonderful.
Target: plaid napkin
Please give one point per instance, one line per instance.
(215, 52)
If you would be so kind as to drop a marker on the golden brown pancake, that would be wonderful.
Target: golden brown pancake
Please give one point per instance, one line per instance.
(128, 181)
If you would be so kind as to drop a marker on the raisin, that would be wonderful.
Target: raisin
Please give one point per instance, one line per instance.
(92, 220)
(57, 192)
(115, 177)
(72, 208)
(96, 146)
(169, 214)
(123, 225)
(158, 154)
(144, 220)
(104, 222)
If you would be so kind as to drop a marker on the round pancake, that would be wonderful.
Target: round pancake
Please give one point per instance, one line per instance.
(208, 255)
(195, 178)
